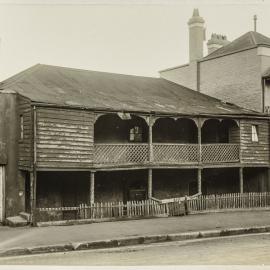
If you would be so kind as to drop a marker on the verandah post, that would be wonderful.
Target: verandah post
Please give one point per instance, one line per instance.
(150, 188)
(150, 138)
(199, 141)
(92, 187)
(241, 180)
(33, 196)
(199, 180)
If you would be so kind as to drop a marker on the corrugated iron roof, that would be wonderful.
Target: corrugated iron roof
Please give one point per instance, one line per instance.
(109, 91)
(247, 41)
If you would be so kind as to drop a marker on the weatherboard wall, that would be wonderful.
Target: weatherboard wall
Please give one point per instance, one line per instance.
(255, 152)
(64, 138)
(25, 143)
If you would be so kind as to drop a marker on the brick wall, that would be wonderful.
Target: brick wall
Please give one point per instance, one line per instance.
(235, 78)
(185, 75)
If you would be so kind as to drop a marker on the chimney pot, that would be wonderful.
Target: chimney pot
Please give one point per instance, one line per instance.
(217, 41)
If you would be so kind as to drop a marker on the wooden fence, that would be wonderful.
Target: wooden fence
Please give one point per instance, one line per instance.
(146, 208)
(229, 201)
(155, 207)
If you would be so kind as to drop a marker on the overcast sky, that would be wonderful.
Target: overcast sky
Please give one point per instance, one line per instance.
(117, 36)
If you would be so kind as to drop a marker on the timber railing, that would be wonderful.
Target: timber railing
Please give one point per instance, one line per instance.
(175, 153)
(228, 201)
(222, 152)
(121, 153)
(164, 153)
(112, 210)
(155, 207)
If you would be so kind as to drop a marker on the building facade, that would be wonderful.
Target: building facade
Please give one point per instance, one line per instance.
(75, 136)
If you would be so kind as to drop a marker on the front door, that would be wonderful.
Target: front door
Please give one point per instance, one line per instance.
(2, 197)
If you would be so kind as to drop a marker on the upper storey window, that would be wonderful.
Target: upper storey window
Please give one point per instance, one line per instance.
(135, 134)
(254, 133)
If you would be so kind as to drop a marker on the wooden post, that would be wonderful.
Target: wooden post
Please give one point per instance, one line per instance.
(199, 141)
(150, 187)
(268, 180)
(33, 173)
(92, 187)
(241, 182)
(199, 180)
(150, 139)
(33, 196)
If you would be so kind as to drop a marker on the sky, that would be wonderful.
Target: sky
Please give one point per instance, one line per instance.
(129, 37)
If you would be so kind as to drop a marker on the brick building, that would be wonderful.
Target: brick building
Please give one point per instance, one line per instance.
(232, 71)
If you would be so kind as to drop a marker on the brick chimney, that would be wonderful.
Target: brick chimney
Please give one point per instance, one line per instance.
(196, 36)
(217, 41)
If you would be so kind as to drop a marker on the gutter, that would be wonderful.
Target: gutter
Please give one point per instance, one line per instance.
(154, 113)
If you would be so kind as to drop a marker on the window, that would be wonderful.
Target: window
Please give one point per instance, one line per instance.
(254, 133)
(135, 134)
(21, 127)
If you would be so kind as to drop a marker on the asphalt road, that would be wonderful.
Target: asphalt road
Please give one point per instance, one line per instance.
(237, 250)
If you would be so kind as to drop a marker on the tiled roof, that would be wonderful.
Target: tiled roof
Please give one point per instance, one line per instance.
(246, 41)
(108, 91)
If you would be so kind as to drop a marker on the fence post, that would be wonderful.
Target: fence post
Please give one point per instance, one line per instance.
(186, 206)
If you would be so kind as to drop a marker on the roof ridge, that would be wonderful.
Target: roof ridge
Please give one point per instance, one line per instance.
(227, 45)
(13, 79)
(89, 70)
(253, 37)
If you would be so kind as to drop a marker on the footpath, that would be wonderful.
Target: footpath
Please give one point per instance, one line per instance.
(34, 240)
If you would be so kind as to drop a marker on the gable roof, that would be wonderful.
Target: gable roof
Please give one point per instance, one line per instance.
(109, 91)
(247, 41)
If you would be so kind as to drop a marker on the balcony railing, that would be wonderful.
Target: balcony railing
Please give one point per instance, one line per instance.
(124, 153)
(175, 153)
(166, 153)
(213, 153)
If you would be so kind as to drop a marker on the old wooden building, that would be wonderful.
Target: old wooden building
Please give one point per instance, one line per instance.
(72, 136)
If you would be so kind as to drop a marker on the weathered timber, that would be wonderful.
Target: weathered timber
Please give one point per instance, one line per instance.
(199, 180)
(150, 184)
(64, 138)
(254, 152)
(92, 187)
(25, 143)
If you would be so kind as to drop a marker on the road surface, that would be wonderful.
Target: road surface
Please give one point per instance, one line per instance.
(237, 250)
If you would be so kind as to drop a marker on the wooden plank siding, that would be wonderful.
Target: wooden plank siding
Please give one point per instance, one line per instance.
(25, 144)
(234, 135)
(64, 138)
(255, 152)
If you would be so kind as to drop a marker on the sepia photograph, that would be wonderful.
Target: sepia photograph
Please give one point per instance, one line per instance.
(134, 134)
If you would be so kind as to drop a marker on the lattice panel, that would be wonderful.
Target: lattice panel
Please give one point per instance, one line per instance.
(220, 152)
(175, 153)
(121, 153)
